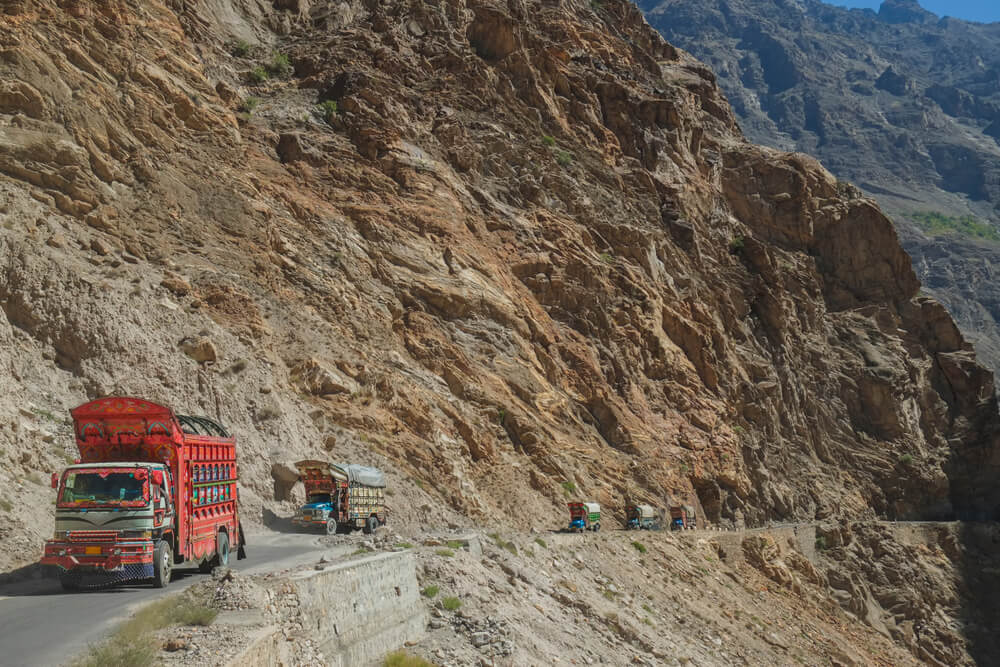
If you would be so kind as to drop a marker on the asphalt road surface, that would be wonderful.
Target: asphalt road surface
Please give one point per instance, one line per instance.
(43, 626)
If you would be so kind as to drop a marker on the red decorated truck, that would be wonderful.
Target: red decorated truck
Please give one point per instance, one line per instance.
(151, 490)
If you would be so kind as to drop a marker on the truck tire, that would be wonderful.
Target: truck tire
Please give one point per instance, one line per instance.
(70, 581)
(597, 526)
(162, 564)
(222, 550)
(371, 523)
(331, 526)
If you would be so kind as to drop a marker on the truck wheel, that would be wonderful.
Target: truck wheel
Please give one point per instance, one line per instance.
(331, 526)
(70, 581)
(162, 562)
(597, 526)
(222, 550)
(371, 523)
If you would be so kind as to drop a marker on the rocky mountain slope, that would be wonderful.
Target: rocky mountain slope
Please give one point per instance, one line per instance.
(511, 252)
(899, 102)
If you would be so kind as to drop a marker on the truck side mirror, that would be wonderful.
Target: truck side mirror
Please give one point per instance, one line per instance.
(55, 481)
(158, 477)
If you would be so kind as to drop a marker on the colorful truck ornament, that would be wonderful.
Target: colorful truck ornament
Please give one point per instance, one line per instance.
(341, 497)
(584, 516)
(151, 490)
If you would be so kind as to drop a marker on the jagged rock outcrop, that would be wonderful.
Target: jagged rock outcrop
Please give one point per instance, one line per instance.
(901, 103)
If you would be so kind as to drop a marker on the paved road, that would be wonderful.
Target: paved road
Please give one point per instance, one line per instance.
(40, 625)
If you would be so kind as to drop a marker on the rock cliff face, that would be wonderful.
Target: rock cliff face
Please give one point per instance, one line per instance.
(497, 248)
(903, 104)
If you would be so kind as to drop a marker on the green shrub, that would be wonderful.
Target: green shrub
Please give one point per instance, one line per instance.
(241, 48)
(133, 644)
(361, 550)
(548, 140)
(938, 224)
(6, 505)
(569, 488)
(540, 542)
(564, 158)
(906, 459)
(430, 591)
(404, 659)
(447, 553)
(451, 603)
(736, 245)
(454, 544)
(120, 653)
(640, 547)
(821, 543)
(280, 65)
(404, 545)
(258, 75)
(607, 258)
(327, 109)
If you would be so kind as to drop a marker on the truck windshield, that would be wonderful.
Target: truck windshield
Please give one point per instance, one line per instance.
(105, 486)
(318, 498)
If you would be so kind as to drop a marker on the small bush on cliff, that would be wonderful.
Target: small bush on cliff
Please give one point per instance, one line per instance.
(640, 547)
(906, 459)
(280, 65)
(736, 245)
(258, 75)
(451, 603)
(327, 109)
(548, 140)
(569, 488)
(249, 104)
(821, 543)
(404, 659)
(430, 591)
(564, 158)
(241, 48)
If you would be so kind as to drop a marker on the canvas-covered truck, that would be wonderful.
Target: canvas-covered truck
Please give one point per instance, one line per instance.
(682, 517)
(341, 497)
(584, 516)
(641, 517)
(150, 490)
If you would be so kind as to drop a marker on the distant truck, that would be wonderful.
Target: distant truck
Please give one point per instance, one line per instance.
(341, 497)
(641, 517)
(584, 516)
(682, 517)
(150, 490)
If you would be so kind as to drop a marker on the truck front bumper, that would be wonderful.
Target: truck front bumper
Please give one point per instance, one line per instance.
(112, 560)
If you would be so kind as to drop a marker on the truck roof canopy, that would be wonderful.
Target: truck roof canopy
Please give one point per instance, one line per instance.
(350, 472)
(119, 427)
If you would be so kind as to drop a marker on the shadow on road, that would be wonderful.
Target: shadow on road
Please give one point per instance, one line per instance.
(281, 524)
(48, 584)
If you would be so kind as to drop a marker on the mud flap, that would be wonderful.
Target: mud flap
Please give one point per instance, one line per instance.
(241, 552)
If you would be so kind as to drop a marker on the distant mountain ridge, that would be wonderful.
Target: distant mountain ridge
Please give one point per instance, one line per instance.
(901, 102)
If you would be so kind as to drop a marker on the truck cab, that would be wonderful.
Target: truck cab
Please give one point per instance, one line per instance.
(341, 497)
(121, 510)
(584, 516)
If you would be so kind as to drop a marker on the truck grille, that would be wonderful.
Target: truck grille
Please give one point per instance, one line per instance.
(92, 536)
